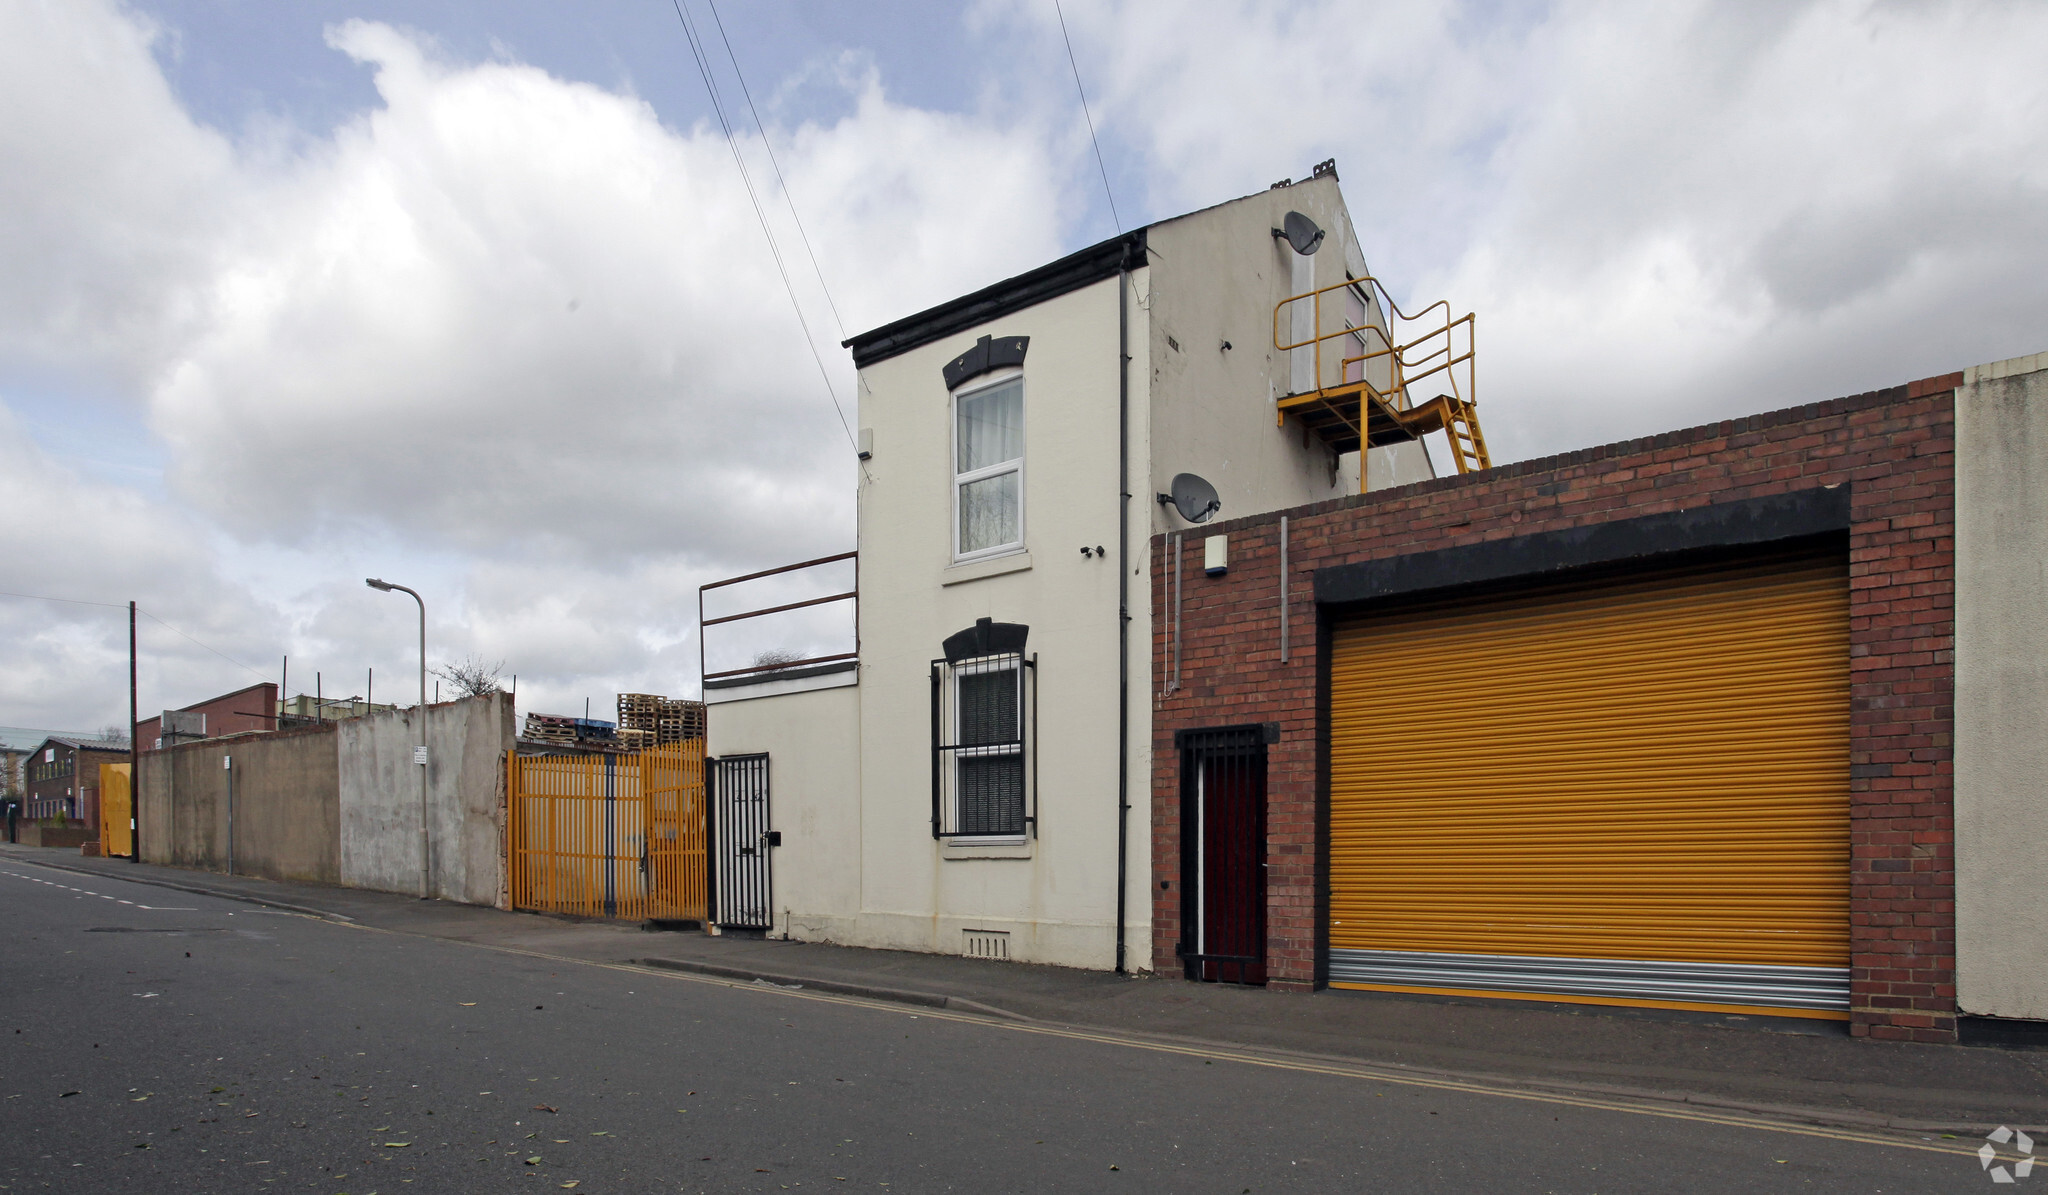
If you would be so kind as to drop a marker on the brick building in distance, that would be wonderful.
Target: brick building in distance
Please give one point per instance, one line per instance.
(63, 780)
(244, 710)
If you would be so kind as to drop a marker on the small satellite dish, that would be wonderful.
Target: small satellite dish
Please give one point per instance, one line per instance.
(1194, 498)
(1301, 233)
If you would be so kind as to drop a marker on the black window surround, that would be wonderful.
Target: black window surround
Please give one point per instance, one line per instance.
(988, 355)
(984, 698)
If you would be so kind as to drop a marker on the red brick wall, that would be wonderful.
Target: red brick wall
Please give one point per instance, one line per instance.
(244, 710)
(1895, 450)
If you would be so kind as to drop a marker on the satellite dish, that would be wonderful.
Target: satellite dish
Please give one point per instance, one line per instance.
(1194, 498)
(1301, 233)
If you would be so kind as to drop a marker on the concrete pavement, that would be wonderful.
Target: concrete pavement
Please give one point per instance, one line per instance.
(1810, 1071)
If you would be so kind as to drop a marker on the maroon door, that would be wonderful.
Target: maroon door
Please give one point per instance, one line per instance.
(1223, 888)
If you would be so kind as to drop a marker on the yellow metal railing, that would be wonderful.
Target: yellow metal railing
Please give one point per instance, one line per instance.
(616, 835)
(1396, 352)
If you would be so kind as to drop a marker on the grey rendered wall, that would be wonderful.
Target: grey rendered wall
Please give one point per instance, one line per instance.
(380, 799)
(286, 806)
(2001, 768)
(1216, 276)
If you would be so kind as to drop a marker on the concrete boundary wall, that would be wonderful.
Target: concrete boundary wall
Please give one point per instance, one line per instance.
(340, 803)
(380, 799)
(285, 808)
(2002, 689)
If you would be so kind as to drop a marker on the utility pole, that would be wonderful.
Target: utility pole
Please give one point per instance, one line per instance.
(134, 753)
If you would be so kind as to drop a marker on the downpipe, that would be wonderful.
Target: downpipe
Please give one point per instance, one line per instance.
(1123, 604)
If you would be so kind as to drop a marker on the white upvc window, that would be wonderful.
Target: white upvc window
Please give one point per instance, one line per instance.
(988, 467)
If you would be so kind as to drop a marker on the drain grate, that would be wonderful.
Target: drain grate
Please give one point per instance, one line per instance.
(987, 943)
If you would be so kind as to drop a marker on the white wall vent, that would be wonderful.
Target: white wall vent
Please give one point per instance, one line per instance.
(987, 943)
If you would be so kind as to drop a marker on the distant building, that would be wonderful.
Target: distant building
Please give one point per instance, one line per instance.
(64, 778)
(307, 708)
(244, 710)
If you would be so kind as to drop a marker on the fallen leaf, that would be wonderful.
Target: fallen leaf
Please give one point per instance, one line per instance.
(468, 1003)
(396, 1144)
(570, 1183)
(382, 1128)
(542, 1108)
(138, 1099)
(62, 1094)
(534, 1160)
(600, 1134)
(1112, 1168)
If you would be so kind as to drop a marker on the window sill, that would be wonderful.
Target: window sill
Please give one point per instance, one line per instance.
(1015, 562)
(956, 848)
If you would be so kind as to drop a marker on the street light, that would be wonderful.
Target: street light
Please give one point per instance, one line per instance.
(420, 754)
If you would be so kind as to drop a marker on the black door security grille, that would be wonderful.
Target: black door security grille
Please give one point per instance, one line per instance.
(984, 761)
(740, 842)
(1223, 853)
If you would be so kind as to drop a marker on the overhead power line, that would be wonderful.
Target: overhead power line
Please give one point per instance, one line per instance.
(787, 198)
(1114, 218)
(41, 597)
(718, 109)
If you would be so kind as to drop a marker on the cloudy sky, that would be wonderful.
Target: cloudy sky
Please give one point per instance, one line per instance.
(472, 297)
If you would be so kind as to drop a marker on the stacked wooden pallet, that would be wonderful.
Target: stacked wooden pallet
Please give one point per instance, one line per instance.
(669, 721)
(549, 728)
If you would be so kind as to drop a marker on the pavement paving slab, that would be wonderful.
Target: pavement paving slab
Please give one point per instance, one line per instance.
(1787, 1067)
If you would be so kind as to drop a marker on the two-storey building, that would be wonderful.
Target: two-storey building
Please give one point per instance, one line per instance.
(974, 781)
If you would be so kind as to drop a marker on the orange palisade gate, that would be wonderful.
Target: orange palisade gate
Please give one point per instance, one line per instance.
(608, 835)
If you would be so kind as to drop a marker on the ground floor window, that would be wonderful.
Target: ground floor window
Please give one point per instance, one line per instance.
(982, 757)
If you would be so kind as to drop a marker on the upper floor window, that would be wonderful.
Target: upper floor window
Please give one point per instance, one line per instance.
(988, 468)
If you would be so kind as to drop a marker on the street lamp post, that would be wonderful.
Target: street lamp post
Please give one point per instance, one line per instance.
(419, 755)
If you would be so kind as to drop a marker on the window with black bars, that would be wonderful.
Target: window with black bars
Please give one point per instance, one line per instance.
(984, 759)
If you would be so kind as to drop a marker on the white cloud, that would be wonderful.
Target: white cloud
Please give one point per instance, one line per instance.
(1661, 213)
(516, 339)
(504, 330)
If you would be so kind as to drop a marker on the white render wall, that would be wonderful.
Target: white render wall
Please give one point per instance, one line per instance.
(876, 876)
(812, 740)
(2001, 711)
(1055, 896)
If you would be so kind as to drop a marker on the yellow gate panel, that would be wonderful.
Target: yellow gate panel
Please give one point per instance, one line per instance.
(1636, 792)
(117, 831)
(608, 835)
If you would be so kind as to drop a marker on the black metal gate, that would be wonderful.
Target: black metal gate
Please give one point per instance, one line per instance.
(1223, 853)
(740, 840)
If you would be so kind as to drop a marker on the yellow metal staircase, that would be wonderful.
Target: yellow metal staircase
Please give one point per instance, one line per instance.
(1360, 396)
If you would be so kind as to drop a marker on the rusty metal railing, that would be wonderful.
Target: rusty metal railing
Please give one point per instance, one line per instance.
(617, 835)
(851, 595)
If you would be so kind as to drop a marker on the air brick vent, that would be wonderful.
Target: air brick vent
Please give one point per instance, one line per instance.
(987, 943)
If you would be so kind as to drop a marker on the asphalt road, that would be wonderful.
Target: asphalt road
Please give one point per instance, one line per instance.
(155, 1041)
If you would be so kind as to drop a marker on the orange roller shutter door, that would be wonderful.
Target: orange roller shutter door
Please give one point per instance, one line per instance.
(1633, 793)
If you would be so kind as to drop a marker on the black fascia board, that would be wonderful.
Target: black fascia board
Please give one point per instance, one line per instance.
(1746, 523)
(1050, 281)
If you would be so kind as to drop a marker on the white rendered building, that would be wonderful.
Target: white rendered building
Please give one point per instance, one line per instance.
(977, 780)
